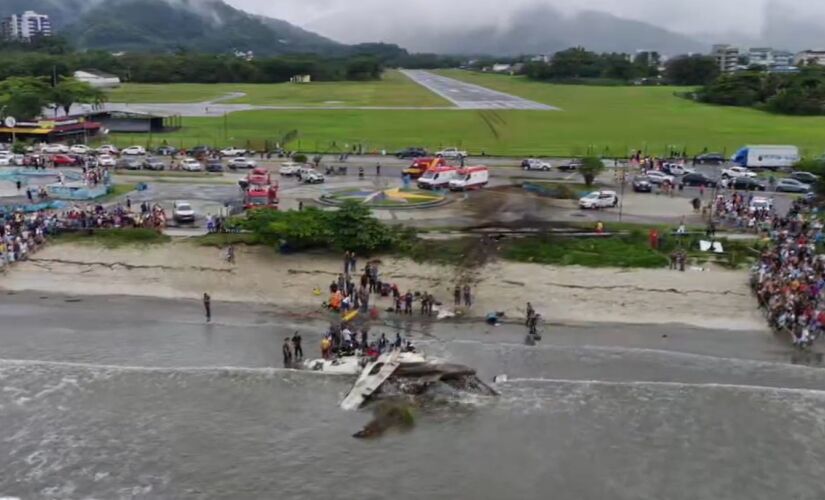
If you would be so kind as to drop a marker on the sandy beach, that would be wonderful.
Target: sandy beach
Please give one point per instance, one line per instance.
(712, 299)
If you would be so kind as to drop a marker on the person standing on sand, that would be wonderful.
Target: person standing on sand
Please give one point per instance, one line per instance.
(408, 300)
(346, 262)
(468, 298)
(207, 306)
(457, 296)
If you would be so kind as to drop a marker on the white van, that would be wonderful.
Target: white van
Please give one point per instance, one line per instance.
(599, 199)
(470, 178)
(437, 178)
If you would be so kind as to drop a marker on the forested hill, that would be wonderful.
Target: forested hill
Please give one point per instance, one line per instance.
(172, 25)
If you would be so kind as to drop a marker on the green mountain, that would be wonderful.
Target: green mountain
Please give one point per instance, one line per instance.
(171, 25)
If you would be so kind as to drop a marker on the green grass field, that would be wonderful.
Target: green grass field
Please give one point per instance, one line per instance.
(394, 89)
(594, 120)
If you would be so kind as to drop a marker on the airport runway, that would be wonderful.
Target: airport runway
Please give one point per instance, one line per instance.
(468, 96)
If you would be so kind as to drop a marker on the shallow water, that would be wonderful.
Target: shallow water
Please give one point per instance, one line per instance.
(118, 408)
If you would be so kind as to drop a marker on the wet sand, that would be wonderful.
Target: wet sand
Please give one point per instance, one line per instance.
(707, 299)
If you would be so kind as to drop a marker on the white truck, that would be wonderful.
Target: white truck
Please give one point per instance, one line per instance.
(772, 157)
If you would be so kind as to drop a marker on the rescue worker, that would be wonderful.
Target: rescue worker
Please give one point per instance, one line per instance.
(296, 346)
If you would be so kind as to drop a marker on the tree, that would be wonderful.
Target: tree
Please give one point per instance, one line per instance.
(590, 168)
(24, 97)
(70, 91)
(354, 228)
(691, 70)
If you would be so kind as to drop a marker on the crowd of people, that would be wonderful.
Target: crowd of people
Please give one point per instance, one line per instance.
(349, 294)
(22, 234)
(341, 340)
(789, 277)
(745, 212)
(98, 217)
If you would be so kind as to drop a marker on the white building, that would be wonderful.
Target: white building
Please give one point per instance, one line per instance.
(97, 78)
(727, 57)
(26, 26)
(810, 57)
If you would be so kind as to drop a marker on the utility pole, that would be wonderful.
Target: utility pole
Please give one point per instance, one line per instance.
(622, 178)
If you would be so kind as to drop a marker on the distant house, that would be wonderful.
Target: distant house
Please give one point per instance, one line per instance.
(97, 78)
(301, 79)
(502, 68)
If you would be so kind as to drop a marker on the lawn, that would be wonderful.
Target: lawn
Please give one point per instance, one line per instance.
(394, 89)
(594, 120)
(114, 238)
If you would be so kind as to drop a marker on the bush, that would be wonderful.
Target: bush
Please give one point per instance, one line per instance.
(352, 227)
(299, 158)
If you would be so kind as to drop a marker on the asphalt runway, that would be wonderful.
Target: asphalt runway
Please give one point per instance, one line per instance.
(468, 96)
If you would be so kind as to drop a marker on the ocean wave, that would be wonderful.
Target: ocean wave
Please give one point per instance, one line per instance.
(667, 385)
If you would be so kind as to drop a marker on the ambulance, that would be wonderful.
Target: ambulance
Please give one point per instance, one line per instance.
(470, 178)
(438, 177)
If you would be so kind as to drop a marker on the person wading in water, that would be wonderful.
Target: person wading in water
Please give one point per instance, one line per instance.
(296, 346)
(287, 352)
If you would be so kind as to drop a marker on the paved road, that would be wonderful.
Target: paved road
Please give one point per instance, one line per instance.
(468, 96)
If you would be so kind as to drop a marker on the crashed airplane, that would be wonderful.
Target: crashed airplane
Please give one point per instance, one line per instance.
(399, 372)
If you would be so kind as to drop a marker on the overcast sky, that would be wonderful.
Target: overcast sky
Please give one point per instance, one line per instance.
(364, 18)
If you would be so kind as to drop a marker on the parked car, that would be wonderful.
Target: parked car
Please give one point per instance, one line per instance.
(710, 158)
(792, 186)
(454, 153)
(191, 165)
(698, 179)
(411, 153)
(182, 211)
(134, 151)
(311, 176)
(6, 159)
(106, 161)
(80, 149)
(748, 184)
(129, 163)
(642, 185)
(599, 199)
(242, 162)
(535, 164)
(805, 177)
(736, 172)
(571, 165)
(55, 149)
(62, 160)
(166, 150)
(199, 150)
(107, 149)
(676, 169)
(658, 178)
(153, 164)
(233, 151)
(214, 165)
(289, 169)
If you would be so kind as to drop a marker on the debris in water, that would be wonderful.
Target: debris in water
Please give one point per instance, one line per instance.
(387, 415)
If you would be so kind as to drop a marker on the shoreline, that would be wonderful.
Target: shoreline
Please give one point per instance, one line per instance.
(717, 299)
